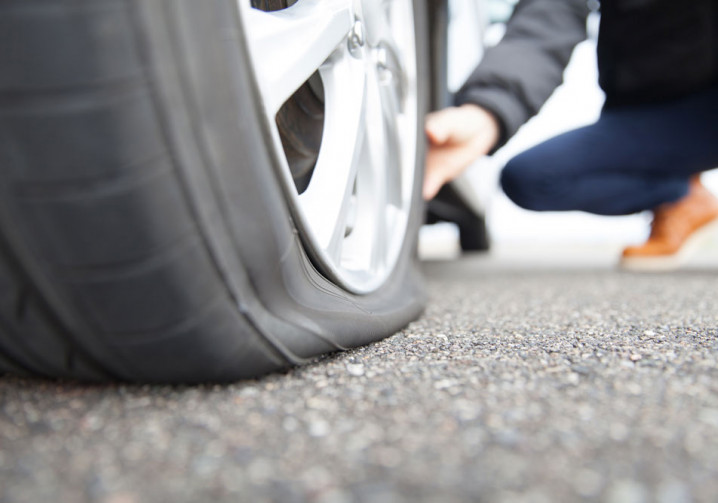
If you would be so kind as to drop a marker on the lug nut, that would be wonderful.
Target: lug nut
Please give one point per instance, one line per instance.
(356, 39)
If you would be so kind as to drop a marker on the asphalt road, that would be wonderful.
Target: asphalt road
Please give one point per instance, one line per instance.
(525, 381)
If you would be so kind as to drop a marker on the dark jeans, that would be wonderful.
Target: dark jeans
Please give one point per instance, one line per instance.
(631, 159)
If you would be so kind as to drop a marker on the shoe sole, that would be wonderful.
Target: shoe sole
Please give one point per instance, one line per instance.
(672, 262)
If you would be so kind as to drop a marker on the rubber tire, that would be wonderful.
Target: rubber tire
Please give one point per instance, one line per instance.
(144, 233)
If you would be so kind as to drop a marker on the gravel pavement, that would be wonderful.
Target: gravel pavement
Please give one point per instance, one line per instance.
(524, 381)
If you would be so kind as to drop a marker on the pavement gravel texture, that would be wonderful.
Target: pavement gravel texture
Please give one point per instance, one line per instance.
(518, 384)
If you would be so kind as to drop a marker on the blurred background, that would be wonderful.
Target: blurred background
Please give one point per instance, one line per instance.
(474, 25)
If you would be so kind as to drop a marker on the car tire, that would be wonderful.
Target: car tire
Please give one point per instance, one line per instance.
(149, 228)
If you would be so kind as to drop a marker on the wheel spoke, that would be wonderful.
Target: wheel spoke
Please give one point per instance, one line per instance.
(289, 45)
(373, 175)
(327, 199)
(376, 130)
(390, 90)
(378, 182)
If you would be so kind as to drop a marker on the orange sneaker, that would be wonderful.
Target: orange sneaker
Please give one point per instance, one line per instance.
(677, 229)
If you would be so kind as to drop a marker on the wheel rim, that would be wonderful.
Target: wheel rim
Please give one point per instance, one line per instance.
(353, 209)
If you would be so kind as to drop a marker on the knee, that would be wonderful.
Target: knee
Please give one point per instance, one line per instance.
(519, 183)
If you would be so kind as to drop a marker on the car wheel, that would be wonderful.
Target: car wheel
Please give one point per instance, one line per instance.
(206, 191)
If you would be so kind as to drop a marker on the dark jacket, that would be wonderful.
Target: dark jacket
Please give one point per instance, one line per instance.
(648, 50)
(653, 50)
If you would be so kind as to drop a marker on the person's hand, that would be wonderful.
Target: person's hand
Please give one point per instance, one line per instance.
(457, 137)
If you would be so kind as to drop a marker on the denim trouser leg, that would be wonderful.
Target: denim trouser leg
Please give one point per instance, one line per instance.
(631, 159)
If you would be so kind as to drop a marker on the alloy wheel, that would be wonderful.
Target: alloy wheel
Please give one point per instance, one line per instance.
(348, 70)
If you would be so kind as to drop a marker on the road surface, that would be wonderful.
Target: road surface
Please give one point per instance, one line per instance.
(533, 376)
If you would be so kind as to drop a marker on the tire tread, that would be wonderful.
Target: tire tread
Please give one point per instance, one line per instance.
(66, 193)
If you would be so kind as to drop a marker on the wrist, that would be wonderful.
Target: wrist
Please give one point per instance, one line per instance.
(486, 124)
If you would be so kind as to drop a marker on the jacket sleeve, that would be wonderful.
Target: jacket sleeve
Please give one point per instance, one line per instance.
(518, 75)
